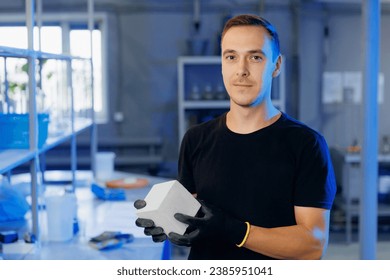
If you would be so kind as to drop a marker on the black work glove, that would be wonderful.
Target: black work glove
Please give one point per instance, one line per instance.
(210, 224)
(157, 233)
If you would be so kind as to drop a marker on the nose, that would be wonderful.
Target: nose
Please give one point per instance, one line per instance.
(242, 70)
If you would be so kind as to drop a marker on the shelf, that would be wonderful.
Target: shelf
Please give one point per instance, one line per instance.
(80, 125)
(383, 209)
(9, 159)
(206, 104)
(199, 60)
(120, 161)
(15, 52)
(357, 158)
(12, 158)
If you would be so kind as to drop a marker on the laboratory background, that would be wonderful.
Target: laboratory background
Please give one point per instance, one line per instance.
(96, 95)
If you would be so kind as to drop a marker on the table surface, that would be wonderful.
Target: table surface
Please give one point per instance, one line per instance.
(95, 216)
(357, 158)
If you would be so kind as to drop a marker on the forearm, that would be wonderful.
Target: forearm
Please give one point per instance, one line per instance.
(292, 242)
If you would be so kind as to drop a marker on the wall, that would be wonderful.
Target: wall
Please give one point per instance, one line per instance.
(143, 69)
(342, 123)
(310, 62)
(146, 37)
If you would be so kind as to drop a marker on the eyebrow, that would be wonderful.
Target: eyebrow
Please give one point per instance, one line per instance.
(250, 51)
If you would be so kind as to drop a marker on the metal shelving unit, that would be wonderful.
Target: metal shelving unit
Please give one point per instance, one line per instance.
(12, 158)
(351, 207)
(205, 71)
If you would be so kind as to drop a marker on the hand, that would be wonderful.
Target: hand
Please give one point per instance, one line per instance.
(211, 224)
(157, 233)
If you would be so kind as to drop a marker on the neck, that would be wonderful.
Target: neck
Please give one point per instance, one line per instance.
(245, 120)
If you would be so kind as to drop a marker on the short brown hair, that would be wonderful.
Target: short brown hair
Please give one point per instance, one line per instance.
(253, 20)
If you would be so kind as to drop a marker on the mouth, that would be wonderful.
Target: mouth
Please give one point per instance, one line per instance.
(242, 85)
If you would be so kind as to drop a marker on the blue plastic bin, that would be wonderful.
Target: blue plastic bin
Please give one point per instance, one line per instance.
(14, 130)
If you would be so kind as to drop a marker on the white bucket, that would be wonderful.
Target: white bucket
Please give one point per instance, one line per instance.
(104, 165)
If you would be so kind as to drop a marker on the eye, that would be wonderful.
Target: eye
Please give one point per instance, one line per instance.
(256, 58)
(230, 57)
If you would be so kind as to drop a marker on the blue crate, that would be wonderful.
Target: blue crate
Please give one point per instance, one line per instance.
(14, 130)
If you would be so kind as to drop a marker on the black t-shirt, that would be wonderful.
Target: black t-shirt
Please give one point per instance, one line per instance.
(257, 177)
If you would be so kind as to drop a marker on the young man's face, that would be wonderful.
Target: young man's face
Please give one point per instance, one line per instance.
(247, 64)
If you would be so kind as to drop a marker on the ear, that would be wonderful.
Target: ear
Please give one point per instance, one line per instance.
(278, 66)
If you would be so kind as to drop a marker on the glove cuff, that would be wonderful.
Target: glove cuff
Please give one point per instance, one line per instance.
(236, 231)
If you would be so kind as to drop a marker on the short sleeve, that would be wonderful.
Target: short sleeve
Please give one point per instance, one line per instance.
(185, 168)
(315, 181)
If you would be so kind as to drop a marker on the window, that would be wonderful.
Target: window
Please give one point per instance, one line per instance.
(80, 46)
(75, 38)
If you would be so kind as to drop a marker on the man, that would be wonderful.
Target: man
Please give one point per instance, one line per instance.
(265, 180)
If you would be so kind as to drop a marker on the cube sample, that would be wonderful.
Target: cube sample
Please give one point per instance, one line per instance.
(166, 199)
